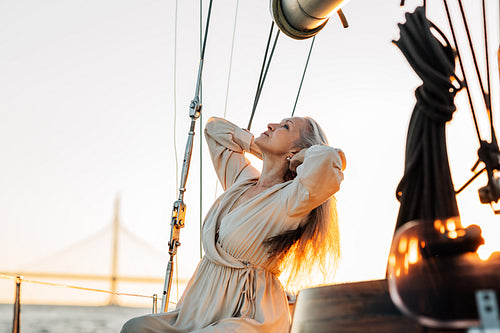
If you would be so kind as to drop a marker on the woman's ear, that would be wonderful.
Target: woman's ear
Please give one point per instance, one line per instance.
(342, 158)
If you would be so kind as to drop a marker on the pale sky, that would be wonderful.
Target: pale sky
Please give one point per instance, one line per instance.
(88, 109)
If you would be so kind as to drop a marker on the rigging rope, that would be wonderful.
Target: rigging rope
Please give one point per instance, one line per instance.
(486, 95)
(263, 72)
(53, 284)
(175, 101)
(179, 206)
(265, 68)
(228, 79)
(231, 57)
(200, 214)
(488, 74)
(175, 126)
(488, 153)
(303, 75)
(464, 81)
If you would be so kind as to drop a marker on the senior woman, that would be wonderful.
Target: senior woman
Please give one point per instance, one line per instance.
(263, 223)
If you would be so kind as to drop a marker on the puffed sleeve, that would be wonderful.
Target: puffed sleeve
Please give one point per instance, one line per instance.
(318, 178)
(226, 143)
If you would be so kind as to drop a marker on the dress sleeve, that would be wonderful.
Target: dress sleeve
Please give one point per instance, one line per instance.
(318, 178)
(226, 143)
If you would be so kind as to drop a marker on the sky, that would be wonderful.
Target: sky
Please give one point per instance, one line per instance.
(94, 99)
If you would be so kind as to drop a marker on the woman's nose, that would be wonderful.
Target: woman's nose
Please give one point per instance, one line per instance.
(271, 126)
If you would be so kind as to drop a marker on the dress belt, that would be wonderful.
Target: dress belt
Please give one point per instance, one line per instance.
(249, 291)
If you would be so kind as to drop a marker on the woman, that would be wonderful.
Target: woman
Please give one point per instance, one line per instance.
(262, 222)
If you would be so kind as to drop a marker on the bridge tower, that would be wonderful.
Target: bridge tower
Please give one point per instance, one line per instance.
(113, 300)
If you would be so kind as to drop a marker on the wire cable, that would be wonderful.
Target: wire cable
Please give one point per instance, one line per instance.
(465, 84)
(231, 57)
(175, 101)
(488, 74)
(303, 75)
(175, 117)
(264, 60)
(200, 208)
(53, 284)
(485, 94)
(264, 70)
(228, 77)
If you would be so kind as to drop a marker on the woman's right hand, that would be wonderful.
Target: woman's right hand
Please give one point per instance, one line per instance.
(298, 158)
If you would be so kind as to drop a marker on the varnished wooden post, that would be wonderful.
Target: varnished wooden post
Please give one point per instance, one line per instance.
(16, 322)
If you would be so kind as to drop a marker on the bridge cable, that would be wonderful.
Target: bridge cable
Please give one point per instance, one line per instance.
(73, 247)
(303, 74)
(263, 73)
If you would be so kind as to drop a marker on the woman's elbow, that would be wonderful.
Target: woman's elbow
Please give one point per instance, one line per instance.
(210, 126)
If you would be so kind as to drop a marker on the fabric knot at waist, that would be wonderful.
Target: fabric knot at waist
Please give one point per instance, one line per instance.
(247, 296)
(248, 293)
(246, 274)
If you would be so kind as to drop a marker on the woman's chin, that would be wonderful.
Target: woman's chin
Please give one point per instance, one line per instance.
(261, 141)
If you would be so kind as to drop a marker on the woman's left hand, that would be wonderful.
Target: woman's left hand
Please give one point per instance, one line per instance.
(297, 160)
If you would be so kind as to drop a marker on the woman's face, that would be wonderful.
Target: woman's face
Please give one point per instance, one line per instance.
(281, 138)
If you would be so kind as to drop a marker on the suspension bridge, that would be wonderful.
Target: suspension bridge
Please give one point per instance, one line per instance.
(106, 252)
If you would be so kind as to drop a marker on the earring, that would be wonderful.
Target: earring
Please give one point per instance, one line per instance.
(288, 158)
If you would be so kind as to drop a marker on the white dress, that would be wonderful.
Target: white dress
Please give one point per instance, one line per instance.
(235, 288)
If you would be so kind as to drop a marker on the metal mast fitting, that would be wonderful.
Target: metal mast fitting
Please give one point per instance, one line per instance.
(301, 19)
(179, 209)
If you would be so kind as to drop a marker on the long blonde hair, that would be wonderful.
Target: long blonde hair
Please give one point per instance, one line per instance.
(313, 249)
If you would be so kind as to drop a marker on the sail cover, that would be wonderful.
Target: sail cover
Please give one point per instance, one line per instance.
(426, 190)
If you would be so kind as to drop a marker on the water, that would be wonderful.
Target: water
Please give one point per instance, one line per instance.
(68, 319)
